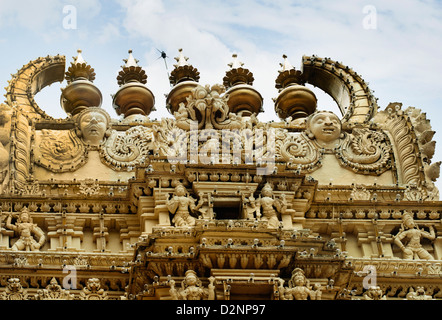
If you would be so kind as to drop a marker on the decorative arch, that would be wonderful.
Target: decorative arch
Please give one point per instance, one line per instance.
(30, 80)
(352, 94)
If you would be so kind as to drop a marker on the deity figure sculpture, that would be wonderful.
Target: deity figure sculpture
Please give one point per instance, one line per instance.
(192, 289)
(53, 291)
(93, 291)
(93, 124)
(14, 291)
(374, 293)
(299, 288)
(325, 128)
(181, 205)
(411, 232)
(270, 206)
(26, 229)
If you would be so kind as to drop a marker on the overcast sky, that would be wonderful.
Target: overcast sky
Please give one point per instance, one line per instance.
(396, 46)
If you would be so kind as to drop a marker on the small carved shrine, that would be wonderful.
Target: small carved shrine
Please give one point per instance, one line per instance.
(211, 203)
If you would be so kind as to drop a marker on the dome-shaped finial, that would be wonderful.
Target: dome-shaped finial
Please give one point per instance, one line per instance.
(80, 93)
(183, 70)
(131, 72)
(237, 74)
(294, 99)
(288, 75)
(243, 98)
(79, 69)
(133, 97)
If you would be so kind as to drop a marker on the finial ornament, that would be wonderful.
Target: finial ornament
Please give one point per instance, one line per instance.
(133, 97)
(79, 70)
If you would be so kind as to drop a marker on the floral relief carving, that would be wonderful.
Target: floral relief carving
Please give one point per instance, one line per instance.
(125, 150)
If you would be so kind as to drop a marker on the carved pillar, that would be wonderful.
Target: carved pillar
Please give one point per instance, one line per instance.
(65, 233)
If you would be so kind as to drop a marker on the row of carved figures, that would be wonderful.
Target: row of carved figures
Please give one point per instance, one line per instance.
(408, 239)
(54, 291)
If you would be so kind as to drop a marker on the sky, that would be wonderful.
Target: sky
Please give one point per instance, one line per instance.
(396, 46)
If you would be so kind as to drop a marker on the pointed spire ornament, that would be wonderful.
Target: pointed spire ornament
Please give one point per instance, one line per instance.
(183, 70)
(131, 72)
(79, 70)
(237, 74)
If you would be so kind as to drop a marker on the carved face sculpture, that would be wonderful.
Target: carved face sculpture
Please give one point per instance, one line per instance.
(408, 221)
(180, 191)
(93, 124)
(24, 216)
(324, 126)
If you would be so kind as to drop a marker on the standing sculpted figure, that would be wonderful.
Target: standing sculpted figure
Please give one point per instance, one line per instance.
(299, 288)
(270, 206)
(26, 229)
(181, 205)
(410, 231)
(192, 289)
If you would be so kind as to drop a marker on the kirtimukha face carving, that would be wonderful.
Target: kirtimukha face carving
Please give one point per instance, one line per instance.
(93, 126)
(324, 127)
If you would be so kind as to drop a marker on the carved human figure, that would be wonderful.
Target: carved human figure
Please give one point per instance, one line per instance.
(270, 206)
(410, 231)
(92, 125)
(26, 229)
(181, 205)
(192, 289)
(325, 128)
(299, 288)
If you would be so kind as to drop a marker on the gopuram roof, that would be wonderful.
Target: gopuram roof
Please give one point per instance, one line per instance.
(212, 203)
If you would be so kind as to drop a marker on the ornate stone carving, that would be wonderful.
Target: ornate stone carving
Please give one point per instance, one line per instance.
(267, 207)
(207, 109)
(93, 291)
(181, 205)
(410, 231)
(419, 294)
(299, 288)
(374, 293)
(364, 151)
(92, 125)
(192, 288)
(14, 291)
(125, 150)
(60, 151)
(26, 230)
(53, 291)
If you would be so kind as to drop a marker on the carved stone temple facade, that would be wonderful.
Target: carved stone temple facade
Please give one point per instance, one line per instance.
(212, 203)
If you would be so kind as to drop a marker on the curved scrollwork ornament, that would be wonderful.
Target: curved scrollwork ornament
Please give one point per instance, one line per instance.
(124, 150)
